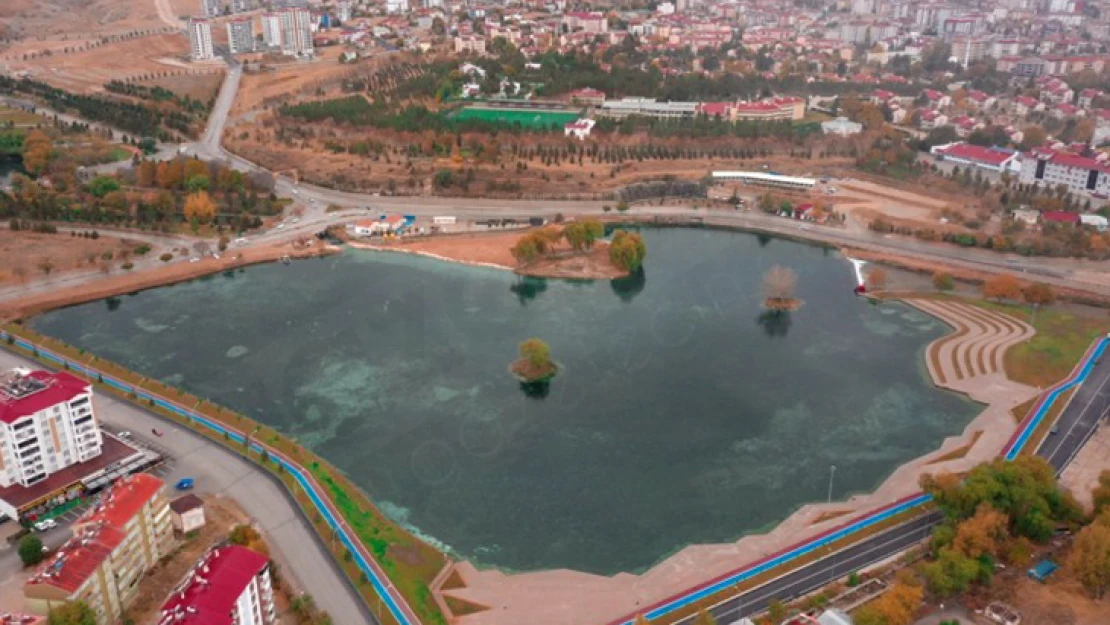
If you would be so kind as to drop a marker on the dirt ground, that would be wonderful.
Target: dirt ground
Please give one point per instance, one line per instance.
(55, 19)
(291, 79)
(1081, 476)
(867, 200)
(1059, 602)
(201, 87)
(25, 252)
(220, 514)
(86, 71)
(99, 287)
(492, 248)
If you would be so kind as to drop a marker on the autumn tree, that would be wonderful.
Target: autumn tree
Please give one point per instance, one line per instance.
(627, 250)
(1100, 497)
(72, 613)
(1002, 286)
(896, 606)
(779, 285)
(984, 533)
(535, 363)
(37, 150)
(146, 174)
(199, 207)
(530, 247)
(876, 279)
(1038, 294)
(582, 234)
(943, 281)
(1089, 559)
(1033, 136)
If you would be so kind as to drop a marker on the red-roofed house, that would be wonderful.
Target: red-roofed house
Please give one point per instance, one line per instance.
(1080, 174)
(113, 546)
(46, 424)
(587, 97)
(1060, 217)
(228, 586)
(992, 159)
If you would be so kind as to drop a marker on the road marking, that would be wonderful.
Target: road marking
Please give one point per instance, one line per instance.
(1096, 395)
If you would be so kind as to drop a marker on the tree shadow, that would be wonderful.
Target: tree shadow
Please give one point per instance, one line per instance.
(113, 303)
(527, 288)
(775, 323)
(628, 287)
(763, 239)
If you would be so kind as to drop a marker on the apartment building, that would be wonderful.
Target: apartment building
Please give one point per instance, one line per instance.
(200, 40)
(296, 31)
(210, 8)
(230, 585)
(271, 30)
(113, 546)
(240, 36)
(241, 6)
(1081, 174)
(46, 424)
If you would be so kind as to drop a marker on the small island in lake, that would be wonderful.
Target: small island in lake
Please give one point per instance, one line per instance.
(535, 365)
(779, 284)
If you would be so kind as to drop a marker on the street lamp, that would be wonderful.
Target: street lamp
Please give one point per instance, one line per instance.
(832, 473)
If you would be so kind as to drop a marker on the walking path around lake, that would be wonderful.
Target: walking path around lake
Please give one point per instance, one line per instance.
(565, 597)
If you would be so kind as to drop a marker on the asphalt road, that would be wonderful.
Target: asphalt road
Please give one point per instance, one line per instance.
(295, 545)
(1088, 408)
(1079, 421)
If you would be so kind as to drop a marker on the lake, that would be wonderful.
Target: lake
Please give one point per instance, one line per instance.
(681, 413)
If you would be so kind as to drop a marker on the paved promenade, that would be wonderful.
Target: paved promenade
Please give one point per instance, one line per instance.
(968, 361)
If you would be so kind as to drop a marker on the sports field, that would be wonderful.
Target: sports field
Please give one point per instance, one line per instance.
(526, 118)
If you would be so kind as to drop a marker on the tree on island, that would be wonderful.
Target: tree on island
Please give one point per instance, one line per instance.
(627, 250)
(779, 285)
(530, 247)
(534, 364)
(582, 234)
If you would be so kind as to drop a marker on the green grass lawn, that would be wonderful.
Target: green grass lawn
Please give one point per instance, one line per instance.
(1062, 338)
(526, 118)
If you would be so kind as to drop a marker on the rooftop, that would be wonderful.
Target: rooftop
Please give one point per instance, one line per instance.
(208, 594)
(23, 393)
(124, 500)
(979, 154)
(186, 503)
(78, 559)
(112, 451)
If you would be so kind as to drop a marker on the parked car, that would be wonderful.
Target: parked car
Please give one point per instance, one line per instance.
(45, 525)
(125, 434)
(185, 483)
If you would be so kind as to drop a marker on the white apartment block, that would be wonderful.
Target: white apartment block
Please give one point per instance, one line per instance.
(210, 8)
(396, 6)
(271, 30)
(343, 11)
(200, 40)
(230, 584)
(46, 424)
(240, 35)
(241, 6)
(1081, 174)
(296, 31)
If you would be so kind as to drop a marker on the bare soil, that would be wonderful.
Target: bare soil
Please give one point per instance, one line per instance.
(86, 71)
(202, 87)
(176, 272)
(25, 253)
(493, 248)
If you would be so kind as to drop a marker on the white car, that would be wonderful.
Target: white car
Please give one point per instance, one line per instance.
(124, 434)
(45, 525)
(296, 220)
(240, 241)
(194, 259)
(281, 225)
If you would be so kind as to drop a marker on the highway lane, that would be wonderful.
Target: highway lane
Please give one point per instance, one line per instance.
(1088, 408)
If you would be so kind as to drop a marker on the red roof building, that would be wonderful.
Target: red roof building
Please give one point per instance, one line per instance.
(1060, 217)
(229, 586)
(113, 546)
(37, 391)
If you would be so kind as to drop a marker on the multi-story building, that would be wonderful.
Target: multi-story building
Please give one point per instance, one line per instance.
(210, 8)
(470, 43)
(200, 40)
(113, 546)
(1080, 174)
(396, 6)
(647, 107)
(296, 31)
(271, 30)
(229, 585)
(343, 11)
(241, 6)
(46, 424)
(240, 35)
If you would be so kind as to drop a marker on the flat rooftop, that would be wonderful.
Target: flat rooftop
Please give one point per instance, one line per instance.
(114, 451)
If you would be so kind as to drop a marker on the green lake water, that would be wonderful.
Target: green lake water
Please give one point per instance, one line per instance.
(680, 415)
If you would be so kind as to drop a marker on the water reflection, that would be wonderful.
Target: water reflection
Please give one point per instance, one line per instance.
(113, 303)
(628, 287)
(527, 288)
(536, 390)
(774, 322)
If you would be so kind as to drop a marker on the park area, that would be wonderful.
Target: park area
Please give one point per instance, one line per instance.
(527, 118)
